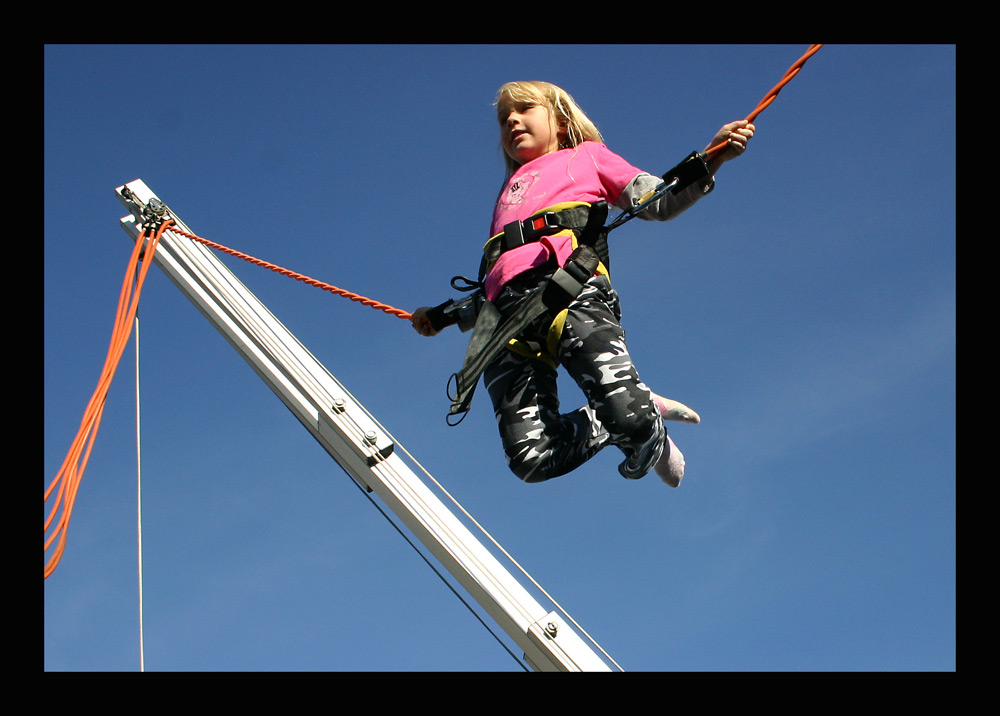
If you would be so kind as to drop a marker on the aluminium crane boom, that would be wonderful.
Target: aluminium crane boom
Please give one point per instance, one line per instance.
(355, 440)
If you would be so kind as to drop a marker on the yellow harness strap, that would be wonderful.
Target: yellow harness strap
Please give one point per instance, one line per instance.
(548, 352)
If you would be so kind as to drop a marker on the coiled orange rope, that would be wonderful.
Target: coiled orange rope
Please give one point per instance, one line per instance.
(67, 480)
(66, 483)
(770, 96)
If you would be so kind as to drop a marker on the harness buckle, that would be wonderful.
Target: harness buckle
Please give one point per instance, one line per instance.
(519, 233)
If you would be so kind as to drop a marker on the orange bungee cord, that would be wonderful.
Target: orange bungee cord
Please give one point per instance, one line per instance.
(770, 96)
(67, 480)
(695, 165)
(356, 297)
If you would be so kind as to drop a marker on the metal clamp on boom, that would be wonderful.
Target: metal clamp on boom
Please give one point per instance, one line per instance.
(149, 215)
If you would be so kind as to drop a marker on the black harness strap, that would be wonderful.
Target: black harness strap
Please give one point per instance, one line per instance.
(519, 233)
(493, 333)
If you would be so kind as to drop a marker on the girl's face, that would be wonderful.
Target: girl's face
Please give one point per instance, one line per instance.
(528, 131)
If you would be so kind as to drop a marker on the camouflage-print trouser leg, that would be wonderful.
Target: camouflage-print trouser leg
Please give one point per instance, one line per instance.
(540, 442)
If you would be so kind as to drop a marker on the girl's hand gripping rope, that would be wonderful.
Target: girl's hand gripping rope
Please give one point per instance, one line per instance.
(422, 324)
(734, 138)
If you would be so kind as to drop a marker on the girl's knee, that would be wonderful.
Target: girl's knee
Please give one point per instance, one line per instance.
(529, 475)
(528, 467)
(537, 465)
(632, 422)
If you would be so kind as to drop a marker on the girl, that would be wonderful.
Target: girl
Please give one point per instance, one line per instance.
(555, 154)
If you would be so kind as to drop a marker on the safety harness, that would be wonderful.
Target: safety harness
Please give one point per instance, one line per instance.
(493, 333)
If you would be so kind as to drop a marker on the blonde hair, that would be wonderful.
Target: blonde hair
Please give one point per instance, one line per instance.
(561, 106)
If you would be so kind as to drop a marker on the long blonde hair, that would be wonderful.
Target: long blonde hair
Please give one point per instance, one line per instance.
(560, 104)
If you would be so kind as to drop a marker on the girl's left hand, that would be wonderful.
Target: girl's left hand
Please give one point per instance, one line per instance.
(422, 324)
(735, 135)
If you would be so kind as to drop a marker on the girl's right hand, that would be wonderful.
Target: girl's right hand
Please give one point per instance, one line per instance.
(421, 324)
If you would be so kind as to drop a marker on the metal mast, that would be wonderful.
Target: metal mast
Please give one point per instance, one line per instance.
(355, 440)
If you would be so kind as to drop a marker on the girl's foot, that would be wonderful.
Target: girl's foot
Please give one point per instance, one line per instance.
(672, 410)
(670, 466)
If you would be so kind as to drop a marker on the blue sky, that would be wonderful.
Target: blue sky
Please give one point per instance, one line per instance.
(806, 309)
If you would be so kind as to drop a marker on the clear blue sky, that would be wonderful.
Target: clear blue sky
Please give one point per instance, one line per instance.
(806, 309)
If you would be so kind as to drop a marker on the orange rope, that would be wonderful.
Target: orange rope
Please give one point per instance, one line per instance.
(299, 277)
(68, 478)
(770, 96)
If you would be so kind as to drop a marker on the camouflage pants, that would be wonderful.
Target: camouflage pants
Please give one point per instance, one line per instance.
(540, 442)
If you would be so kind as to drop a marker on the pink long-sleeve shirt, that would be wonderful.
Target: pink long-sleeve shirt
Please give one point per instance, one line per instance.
(589, 172)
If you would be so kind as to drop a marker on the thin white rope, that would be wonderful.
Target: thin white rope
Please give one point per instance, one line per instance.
(513, 561)
(500, 547)
(138, 480)
(490, 537)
